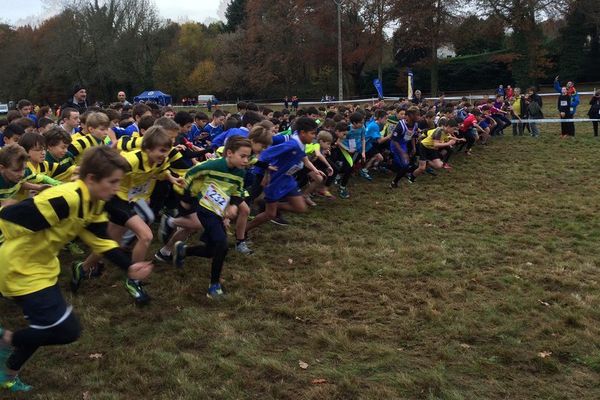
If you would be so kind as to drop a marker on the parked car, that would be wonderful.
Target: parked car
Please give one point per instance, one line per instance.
(3, 108)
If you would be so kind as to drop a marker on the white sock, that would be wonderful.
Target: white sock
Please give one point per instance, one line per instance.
(165, 252)
(170, 222)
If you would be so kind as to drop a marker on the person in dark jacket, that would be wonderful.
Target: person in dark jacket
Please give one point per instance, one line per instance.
(564, 107)
(594, 112)
(78, 99)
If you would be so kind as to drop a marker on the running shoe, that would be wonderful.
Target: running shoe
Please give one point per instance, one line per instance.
(393, 185)
(74, 249)
(447, 166)
(97, 271)
(136, 290)
(178, 254)
(215, 291)
(327, 194)
(365, 174)
(344, 194)
(14, 385)
(411, 178)
(159, 256)
(78, 274)
(279, 220)
(242, 247)
(430, 171)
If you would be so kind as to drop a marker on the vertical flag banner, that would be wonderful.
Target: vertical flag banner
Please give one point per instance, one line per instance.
(379, 87)
(410, 84)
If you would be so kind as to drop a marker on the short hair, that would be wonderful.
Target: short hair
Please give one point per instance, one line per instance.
(3, 122)
(166, 109)
(305, 124)
(476, 112)
(66, 113)
(325, 136)
(356, 118)
(23, 103)
(97, 119)
(112, 114)
(413, 111)
(242, 105)
(13, 129)
(235, 143)
(56, 136)
(312, 110)
(380, 114)
(25, 122)
(251, 118)
(217, 114)
(265, 123)
(101, 162)
(200, 116)
(13, 115)
(156, 136)
(44, 122)
(341, 127)
(277, 114)
(167, 124)
(32, 140)
(183, 118)
(266, 111)
(146, 122)
(451, 122)
(139, 109)
(232, 122)
(13, 154)
(251, 107)
(260, 134)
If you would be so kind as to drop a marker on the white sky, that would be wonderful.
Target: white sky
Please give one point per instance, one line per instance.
(16, 12)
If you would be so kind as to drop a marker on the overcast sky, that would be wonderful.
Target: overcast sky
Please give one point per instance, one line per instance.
(19, 13)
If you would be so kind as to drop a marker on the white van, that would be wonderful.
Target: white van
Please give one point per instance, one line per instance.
(3, 108)
(204, 98)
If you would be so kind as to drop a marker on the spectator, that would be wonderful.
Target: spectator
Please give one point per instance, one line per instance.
(78, 99)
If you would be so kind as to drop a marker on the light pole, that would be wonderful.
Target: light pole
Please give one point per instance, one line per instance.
(338, 3)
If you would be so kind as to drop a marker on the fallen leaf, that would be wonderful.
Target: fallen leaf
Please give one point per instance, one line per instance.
(115, 285)
(544, 303)
(302, 364)
(319, 381)
(545, 354)
(290, 261)
(96, 356)
(465, 346)
(87, 396)
(529, 264)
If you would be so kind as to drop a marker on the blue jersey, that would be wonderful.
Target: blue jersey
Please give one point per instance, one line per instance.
(131, 129)
(353, 140)
(119, 132)
(221, 139)
(401, 136)
(372, 135)
(213, 131)
(287, 157)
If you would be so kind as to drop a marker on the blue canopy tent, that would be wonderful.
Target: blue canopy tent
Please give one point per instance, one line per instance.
(155, 96)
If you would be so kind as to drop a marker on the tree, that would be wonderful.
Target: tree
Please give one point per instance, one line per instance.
(522, 16)
(235, 14)
(423, 29)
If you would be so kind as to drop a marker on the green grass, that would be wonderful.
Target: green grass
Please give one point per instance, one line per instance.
(445, 289)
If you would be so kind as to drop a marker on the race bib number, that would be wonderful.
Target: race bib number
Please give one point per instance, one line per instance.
(295, 169)
(137, 191)
(352, 145)
(215, 199)
(564, 103)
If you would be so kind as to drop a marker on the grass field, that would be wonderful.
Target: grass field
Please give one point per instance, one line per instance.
(481, 283)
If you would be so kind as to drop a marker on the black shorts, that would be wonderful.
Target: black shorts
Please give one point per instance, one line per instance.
(427, 154)
(119, 211)
(373, 152)
(45, 308)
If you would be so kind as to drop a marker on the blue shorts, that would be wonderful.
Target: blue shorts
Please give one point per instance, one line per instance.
(292, 193)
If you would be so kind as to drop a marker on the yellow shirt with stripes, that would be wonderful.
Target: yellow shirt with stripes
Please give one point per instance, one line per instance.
(36, 229)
